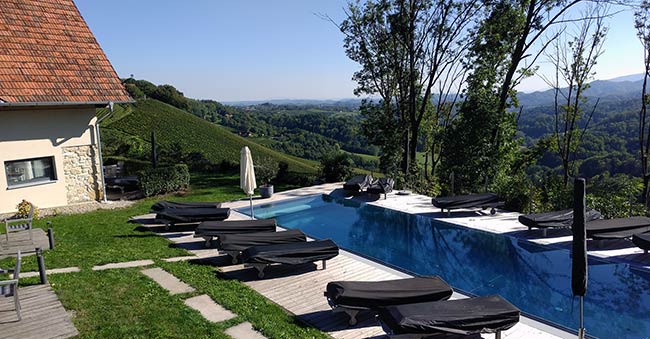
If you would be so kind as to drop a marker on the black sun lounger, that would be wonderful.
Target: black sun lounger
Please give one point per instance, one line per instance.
(358, 183)
(619, 228)
(352, 297)
(234, 244)
(381, 186)
(211, 229)
(164, 205)
(296, 253)
(491, 314)
(483, 200)
(191, 215)
(642, 241)
(555, 219)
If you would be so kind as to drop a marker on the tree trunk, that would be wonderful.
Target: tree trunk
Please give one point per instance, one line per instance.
(565, 171)
(426, 166)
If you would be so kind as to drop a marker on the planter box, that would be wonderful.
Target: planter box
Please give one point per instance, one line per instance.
(266, 191)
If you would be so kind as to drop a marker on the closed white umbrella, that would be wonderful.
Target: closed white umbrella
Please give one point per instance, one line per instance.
(247, 175)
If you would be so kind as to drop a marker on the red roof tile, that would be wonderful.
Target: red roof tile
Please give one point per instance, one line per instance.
(48, 54)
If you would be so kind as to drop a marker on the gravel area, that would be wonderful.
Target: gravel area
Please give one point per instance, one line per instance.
(78, 208)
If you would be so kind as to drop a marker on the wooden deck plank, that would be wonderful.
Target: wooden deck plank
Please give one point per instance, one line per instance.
(19, 241)
(43, 316)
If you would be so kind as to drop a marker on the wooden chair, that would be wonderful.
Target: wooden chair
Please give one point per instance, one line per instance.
(16, 225)
(9, 288)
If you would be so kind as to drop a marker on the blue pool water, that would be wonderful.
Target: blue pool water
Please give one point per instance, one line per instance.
(535, 278)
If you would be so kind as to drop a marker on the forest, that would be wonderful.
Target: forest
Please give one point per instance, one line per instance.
(437, 85)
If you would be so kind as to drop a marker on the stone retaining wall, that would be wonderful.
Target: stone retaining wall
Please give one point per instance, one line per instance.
(81, 171)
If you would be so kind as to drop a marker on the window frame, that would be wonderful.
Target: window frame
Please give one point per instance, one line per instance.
(54, 177)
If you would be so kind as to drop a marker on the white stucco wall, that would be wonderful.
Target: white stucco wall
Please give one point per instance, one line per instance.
(39, 133)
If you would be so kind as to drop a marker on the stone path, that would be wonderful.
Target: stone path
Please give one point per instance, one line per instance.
(168, 281)
(127, 264)
(244, 330)
(207, 307)
(52, 271)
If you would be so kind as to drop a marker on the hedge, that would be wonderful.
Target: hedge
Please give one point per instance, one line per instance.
(164, 180)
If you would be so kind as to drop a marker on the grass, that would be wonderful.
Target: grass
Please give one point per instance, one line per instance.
(173, 125)
(266, 317)
(123, 303)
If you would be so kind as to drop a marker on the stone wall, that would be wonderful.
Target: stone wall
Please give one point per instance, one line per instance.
(81, 171)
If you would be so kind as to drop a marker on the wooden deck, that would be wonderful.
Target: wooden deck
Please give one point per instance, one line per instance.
(43, 316)
(300, 291)
(19, 241)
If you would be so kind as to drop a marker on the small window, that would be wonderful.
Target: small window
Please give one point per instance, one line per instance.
(30, 171)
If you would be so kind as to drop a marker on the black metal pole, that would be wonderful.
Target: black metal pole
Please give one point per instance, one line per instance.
(579, 266)
(50, 237)
(41, 265)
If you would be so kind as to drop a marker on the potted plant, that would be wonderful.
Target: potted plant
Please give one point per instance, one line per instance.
(266, 171)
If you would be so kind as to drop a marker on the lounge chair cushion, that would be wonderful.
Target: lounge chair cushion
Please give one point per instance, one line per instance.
(381, 186)
(617, 228)
(292, 253)
(217, 228)
(163, 205)
(462, 316)
(373, 294)
(358, 182)
(557, 219)
(240, 242)
(466, 201)
(642, 241)
(190, 215)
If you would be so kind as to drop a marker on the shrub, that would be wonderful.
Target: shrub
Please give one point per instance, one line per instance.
(615, 197)
(164, 180)
(283, 171)
(266, 170)
(299, 179)
(23, 210)
(336, 167)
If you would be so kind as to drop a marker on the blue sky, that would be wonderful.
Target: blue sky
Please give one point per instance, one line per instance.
(257, 50)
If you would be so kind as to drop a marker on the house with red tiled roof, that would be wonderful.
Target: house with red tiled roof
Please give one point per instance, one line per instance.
(53, 76)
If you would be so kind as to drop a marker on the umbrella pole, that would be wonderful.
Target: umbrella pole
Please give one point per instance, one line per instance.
(581, 331)
(251, 200)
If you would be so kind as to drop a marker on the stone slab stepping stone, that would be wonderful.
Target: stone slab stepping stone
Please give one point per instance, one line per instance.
(177, 259)
(244, 331)
(52, 271)
(127, 264)
(167, 281)
(209, 309)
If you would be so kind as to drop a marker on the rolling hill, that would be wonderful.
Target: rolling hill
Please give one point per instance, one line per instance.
(173, 125)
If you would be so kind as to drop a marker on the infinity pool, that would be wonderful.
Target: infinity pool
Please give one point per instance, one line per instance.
(535, 278)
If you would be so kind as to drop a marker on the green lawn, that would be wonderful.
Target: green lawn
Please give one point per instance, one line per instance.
(123, 303)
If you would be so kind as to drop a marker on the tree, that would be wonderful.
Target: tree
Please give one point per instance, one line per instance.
(471, 152)
(336, 167)
(574, 60)
(170, 95)
(642, 25)
(404, 49)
